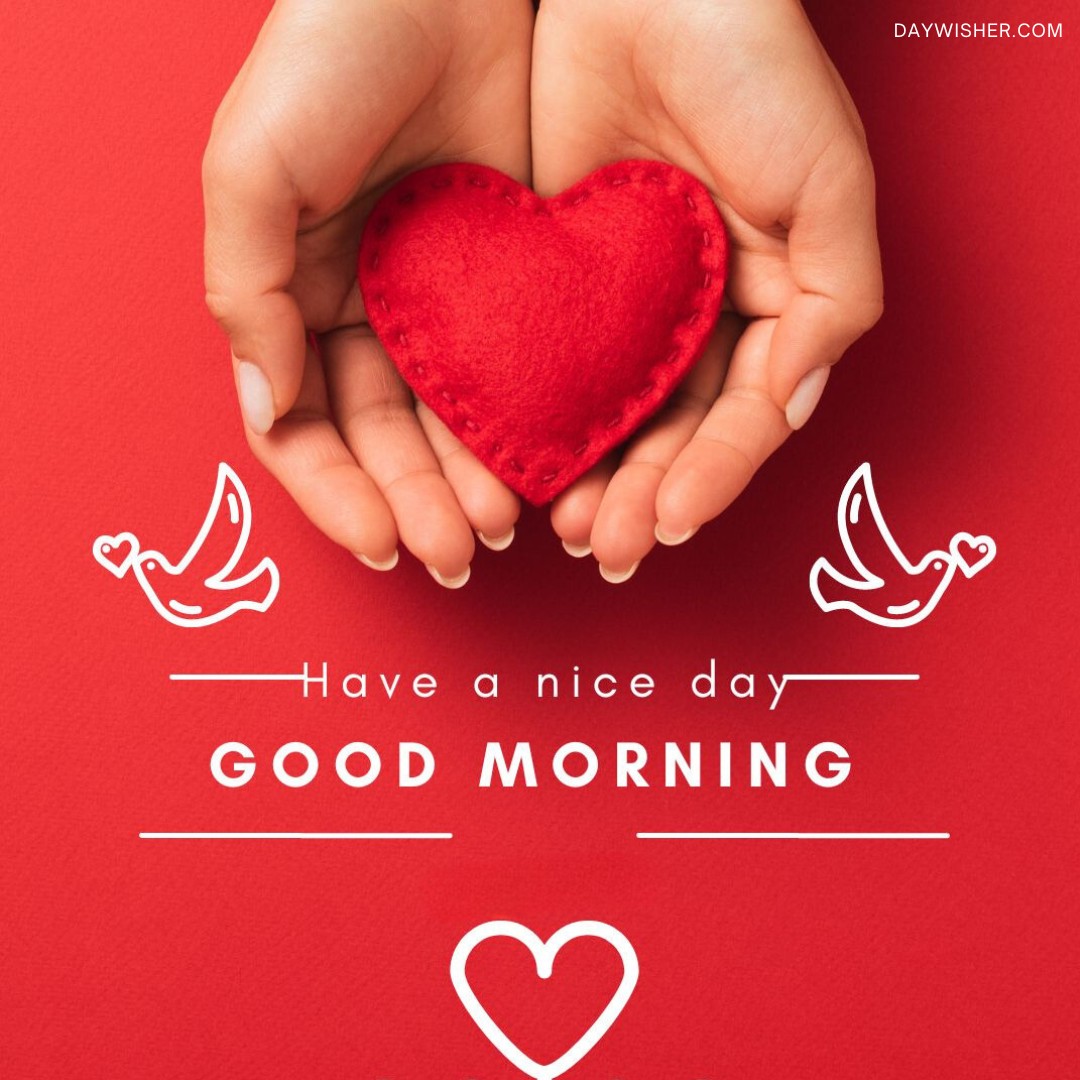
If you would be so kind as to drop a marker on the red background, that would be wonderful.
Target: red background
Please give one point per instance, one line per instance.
(131, 958)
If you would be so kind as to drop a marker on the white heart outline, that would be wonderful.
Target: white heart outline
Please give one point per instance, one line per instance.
(969, 570)
(544, 953)
(112, 542)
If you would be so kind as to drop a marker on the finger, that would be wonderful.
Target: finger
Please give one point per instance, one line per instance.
(491, 507)
(836, 266)
(375, 413)
(740, 431)
(625, 527)
(250, 254)
(574, 511)
(296, 136)
(793, 164)
(306, 454)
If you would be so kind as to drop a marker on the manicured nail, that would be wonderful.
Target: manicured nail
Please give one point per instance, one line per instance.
(803, 401)
(256, 397)
(386, 564)
(450, 582)
(496, 543)
(618, 577)
(670, 540)
(579, 551)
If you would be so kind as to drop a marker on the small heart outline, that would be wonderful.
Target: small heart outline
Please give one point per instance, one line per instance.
(104, 546)
(544, 953)
(965, 540)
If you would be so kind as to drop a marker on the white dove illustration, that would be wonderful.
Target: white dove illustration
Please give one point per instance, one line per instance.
(897, 592)
(198, 590)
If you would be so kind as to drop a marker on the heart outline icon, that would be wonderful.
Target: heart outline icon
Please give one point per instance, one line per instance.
(983, 545)
(544, 953)
(107, 548)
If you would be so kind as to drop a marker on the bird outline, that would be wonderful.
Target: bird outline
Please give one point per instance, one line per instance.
(923, 583)
(179, 592)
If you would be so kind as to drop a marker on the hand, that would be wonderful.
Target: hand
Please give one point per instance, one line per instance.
(741, 94)
(338, 99)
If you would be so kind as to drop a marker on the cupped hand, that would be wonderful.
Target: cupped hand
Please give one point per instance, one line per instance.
(337, 99)
(741, 94)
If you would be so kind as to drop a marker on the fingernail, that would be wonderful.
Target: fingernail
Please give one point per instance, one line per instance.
(803, 401)
(670, 540)
(579, 551)
(386, 564)
(450, 582)
(617, 577)
(256, 397)
(496, 543)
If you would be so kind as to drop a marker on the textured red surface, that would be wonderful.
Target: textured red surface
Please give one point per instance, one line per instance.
(544, 331)
(123, 959)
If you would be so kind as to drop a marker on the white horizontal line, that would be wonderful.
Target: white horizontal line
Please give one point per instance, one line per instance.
(793, 835)
(240, 678)
(296, 836)
(851, 678)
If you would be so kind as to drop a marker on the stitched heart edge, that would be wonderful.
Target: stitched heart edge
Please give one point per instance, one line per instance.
(632, 410)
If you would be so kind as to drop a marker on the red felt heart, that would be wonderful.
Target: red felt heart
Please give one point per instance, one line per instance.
(544, 331)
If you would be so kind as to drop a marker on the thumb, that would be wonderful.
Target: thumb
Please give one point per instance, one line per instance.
(250, 253)
(836, 266)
